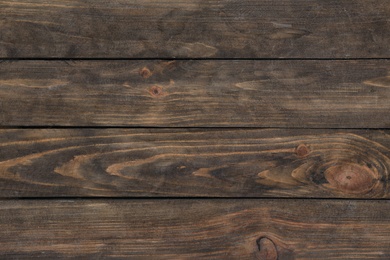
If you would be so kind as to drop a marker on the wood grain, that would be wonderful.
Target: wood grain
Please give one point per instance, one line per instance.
(194, 163)
(315, 94)
(195, 29)
(195, 229)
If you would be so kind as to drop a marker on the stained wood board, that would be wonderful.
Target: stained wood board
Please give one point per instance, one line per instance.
(201, 229)
(194, 163)
(291, 94)
(194, 29)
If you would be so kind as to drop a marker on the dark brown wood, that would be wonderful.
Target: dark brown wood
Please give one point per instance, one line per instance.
(195, 29)
(193, 163)
(195, 229)
(337, 94)
(200, 109)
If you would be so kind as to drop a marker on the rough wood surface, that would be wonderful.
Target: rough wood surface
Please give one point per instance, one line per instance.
(193, 162)
(257, 77)
(195, 229)
(337, 94)
(195, 29)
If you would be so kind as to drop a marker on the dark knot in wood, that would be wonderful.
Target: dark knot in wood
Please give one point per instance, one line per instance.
(302, 150)
(145, 73)
(156, 91)
(267, 249)
(346, 165)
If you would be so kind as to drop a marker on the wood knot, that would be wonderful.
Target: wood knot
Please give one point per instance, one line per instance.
(350, 178)
(156, 91)
(267, 249)
(302, 150)
(341, 165)
(145, 73)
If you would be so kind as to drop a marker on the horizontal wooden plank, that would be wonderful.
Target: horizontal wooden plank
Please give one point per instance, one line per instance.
(195, 29)
(195, 229)
(315, 94)
(193, 162)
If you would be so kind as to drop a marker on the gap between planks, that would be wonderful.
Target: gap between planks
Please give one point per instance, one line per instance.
(190, 59)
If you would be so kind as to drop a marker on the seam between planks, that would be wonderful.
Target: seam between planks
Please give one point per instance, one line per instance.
(189, 198)
(190, 59)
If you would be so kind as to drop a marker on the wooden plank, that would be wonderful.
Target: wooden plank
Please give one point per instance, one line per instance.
(195, 229)
(195, 29)
(315, 94)
(195, 163)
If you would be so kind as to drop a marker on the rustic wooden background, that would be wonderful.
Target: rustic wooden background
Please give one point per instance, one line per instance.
(177, 129)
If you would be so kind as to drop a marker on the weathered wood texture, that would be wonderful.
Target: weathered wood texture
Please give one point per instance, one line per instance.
(288, 67)
(311, 94)
(194, 229)
(195, 29)
(191, 162)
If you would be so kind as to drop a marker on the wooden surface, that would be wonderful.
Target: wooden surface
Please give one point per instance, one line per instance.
(194, 163)
(203, 129)
(195, 29)
(195, 229)
(315, 94)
